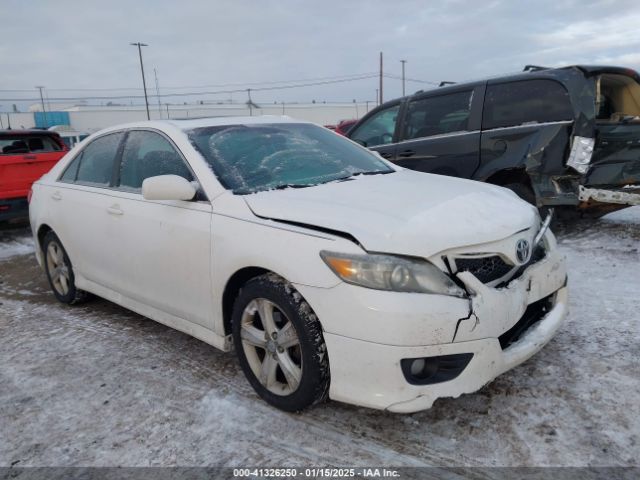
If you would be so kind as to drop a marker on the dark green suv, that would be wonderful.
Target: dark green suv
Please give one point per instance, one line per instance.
(567, 137)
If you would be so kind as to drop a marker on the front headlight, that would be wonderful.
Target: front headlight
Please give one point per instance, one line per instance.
(387, 272)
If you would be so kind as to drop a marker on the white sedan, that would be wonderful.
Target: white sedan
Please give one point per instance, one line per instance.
(332, 271)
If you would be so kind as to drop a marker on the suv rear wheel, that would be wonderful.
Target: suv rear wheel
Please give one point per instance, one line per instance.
(525, 192)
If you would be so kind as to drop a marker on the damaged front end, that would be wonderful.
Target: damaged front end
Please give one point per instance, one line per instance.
(509, 294)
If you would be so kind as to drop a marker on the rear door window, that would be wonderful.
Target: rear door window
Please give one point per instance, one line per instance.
(149, 154)
(438, 115)
(96, 163)
(529, 101)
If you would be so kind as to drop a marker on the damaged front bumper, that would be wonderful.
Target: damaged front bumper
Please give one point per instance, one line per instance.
(369, 333)
(622, 196)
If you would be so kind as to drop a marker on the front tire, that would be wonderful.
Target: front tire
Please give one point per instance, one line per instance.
(279, 343)
(60, 271)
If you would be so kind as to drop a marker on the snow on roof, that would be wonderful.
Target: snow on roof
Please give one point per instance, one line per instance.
(187, 124)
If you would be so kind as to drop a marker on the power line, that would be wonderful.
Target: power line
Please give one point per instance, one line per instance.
(222, 85)
(188, 94)
(397, 77)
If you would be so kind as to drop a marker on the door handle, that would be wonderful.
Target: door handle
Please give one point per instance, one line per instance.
(30, 157)
(115, 210)
(56, 196)
(407, 153)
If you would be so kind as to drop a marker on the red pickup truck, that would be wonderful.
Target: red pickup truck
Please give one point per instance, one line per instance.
(25, 155)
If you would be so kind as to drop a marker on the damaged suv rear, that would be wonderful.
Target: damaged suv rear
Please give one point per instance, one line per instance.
(559, 137)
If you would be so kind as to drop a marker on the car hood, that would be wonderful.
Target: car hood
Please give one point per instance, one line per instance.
(406, 212)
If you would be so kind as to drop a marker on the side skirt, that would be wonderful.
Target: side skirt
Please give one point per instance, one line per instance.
(177, 323)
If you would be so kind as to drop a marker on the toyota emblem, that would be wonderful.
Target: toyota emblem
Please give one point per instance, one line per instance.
(523, 250)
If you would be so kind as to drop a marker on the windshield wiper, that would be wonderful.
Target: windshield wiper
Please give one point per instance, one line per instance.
(372, 172)
(291, 185)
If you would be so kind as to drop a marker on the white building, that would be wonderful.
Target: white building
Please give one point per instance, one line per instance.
(85, 118)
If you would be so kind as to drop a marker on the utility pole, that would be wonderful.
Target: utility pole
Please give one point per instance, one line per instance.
(167, 105)
(144, 83)
(381, 96)
(155, 74)
(250, 103)
(403, 62)
(44, 111)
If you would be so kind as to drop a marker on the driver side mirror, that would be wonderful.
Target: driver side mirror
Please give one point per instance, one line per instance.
(167, 187)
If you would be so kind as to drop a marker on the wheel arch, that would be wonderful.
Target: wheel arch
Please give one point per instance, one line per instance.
(232, 289)
(510, 175)
(42, 232)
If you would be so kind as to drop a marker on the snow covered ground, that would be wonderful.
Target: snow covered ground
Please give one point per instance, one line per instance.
(98, 385)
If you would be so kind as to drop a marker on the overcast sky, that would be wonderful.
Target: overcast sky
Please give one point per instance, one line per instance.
(85, 44)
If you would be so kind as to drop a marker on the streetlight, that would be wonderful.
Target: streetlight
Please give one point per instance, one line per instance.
(144, 83)
(403, 62)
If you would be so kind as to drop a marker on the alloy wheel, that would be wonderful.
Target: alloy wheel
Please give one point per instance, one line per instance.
(58, 268)
(271, 346)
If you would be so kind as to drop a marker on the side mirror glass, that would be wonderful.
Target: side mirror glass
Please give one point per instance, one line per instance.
(168, 187)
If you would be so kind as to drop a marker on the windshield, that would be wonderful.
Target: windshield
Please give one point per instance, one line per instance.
(256, 157)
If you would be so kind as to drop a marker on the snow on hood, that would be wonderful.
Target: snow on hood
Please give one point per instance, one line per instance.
(405, 212)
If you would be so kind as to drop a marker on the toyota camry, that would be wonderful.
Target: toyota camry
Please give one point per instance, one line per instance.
(330, 271)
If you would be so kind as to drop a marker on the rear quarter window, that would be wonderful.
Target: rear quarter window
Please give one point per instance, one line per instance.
(96, 163)
(529, 101)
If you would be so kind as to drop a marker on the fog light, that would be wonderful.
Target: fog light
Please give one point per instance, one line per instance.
(417, 366)
(430, 370)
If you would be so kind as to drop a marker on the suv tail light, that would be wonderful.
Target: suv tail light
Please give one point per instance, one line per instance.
(581, 152)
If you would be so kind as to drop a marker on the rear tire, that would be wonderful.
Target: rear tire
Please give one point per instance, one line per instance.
(526, 193)
(279, 343)
(60, 271)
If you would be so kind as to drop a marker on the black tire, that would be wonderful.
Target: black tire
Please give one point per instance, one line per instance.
(525, 192)
(72, 295)
(287, 306)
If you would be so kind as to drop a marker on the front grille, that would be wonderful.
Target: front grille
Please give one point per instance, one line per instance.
(485, 269)
(539, 252)
(532, 315)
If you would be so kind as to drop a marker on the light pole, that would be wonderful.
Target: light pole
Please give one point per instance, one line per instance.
(403, 62)
(44, 112)
(144, 83)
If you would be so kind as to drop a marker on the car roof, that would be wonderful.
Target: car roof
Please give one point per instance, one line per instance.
(188, 124)
(558, 73)
(191, 123)
(29, 131)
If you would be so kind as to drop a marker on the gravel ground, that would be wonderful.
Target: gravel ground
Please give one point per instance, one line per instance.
(97, 385)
